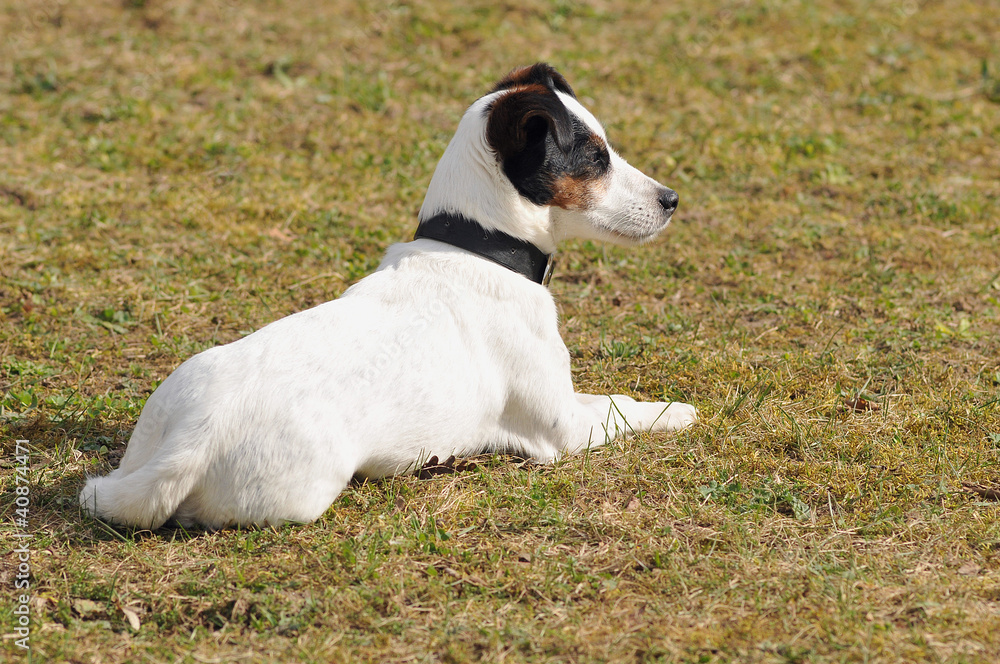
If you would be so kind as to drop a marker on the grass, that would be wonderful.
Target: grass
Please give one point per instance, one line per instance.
(177, 174)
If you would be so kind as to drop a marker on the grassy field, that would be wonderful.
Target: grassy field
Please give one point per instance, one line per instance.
(174, 175)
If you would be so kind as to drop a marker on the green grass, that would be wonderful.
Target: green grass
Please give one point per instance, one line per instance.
(177, 174)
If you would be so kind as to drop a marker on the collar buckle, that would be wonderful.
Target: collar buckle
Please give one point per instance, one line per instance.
(550, 266)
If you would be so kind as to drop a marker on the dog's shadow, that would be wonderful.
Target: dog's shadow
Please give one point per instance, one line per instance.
(63, 454)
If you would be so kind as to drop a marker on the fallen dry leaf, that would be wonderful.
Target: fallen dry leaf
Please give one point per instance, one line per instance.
(450, 465)
(858, 404)
(983, 491)
(132, 617)
(969, 569)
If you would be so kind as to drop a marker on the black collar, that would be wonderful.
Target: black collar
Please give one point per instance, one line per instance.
(522, 257)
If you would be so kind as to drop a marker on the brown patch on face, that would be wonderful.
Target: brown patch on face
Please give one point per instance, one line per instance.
(572, 194)
(534, 88)
(538, 74)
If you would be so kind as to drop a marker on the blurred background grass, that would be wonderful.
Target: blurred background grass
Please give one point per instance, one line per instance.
(174, 175)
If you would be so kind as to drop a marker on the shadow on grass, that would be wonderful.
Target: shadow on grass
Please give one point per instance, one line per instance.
(62, 454)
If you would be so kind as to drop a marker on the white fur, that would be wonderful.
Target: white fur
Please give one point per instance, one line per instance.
(438, 353)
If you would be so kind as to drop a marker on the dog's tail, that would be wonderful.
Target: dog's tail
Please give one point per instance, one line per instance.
(156, 474)
(145, 498)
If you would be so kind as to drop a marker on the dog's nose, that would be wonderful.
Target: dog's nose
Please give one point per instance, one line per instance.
(668, 200)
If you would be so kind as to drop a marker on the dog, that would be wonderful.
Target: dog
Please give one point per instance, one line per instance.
(450, 348)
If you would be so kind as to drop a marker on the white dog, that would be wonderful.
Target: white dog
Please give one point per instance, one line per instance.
(450, 348)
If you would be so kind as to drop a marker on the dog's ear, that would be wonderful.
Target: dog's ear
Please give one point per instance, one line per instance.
(520, 120)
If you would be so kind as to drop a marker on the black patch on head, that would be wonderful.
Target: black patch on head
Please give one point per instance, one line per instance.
(538, 74)
(549, 155)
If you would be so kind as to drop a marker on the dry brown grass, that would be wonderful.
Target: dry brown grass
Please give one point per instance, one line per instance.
(175, 174)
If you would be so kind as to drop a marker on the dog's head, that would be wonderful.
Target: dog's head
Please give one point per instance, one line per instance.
(548, 169)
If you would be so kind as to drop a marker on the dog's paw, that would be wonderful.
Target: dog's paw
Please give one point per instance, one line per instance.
(675, 416)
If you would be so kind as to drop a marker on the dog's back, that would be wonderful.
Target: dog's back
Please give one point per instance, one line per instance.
(271, 428)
